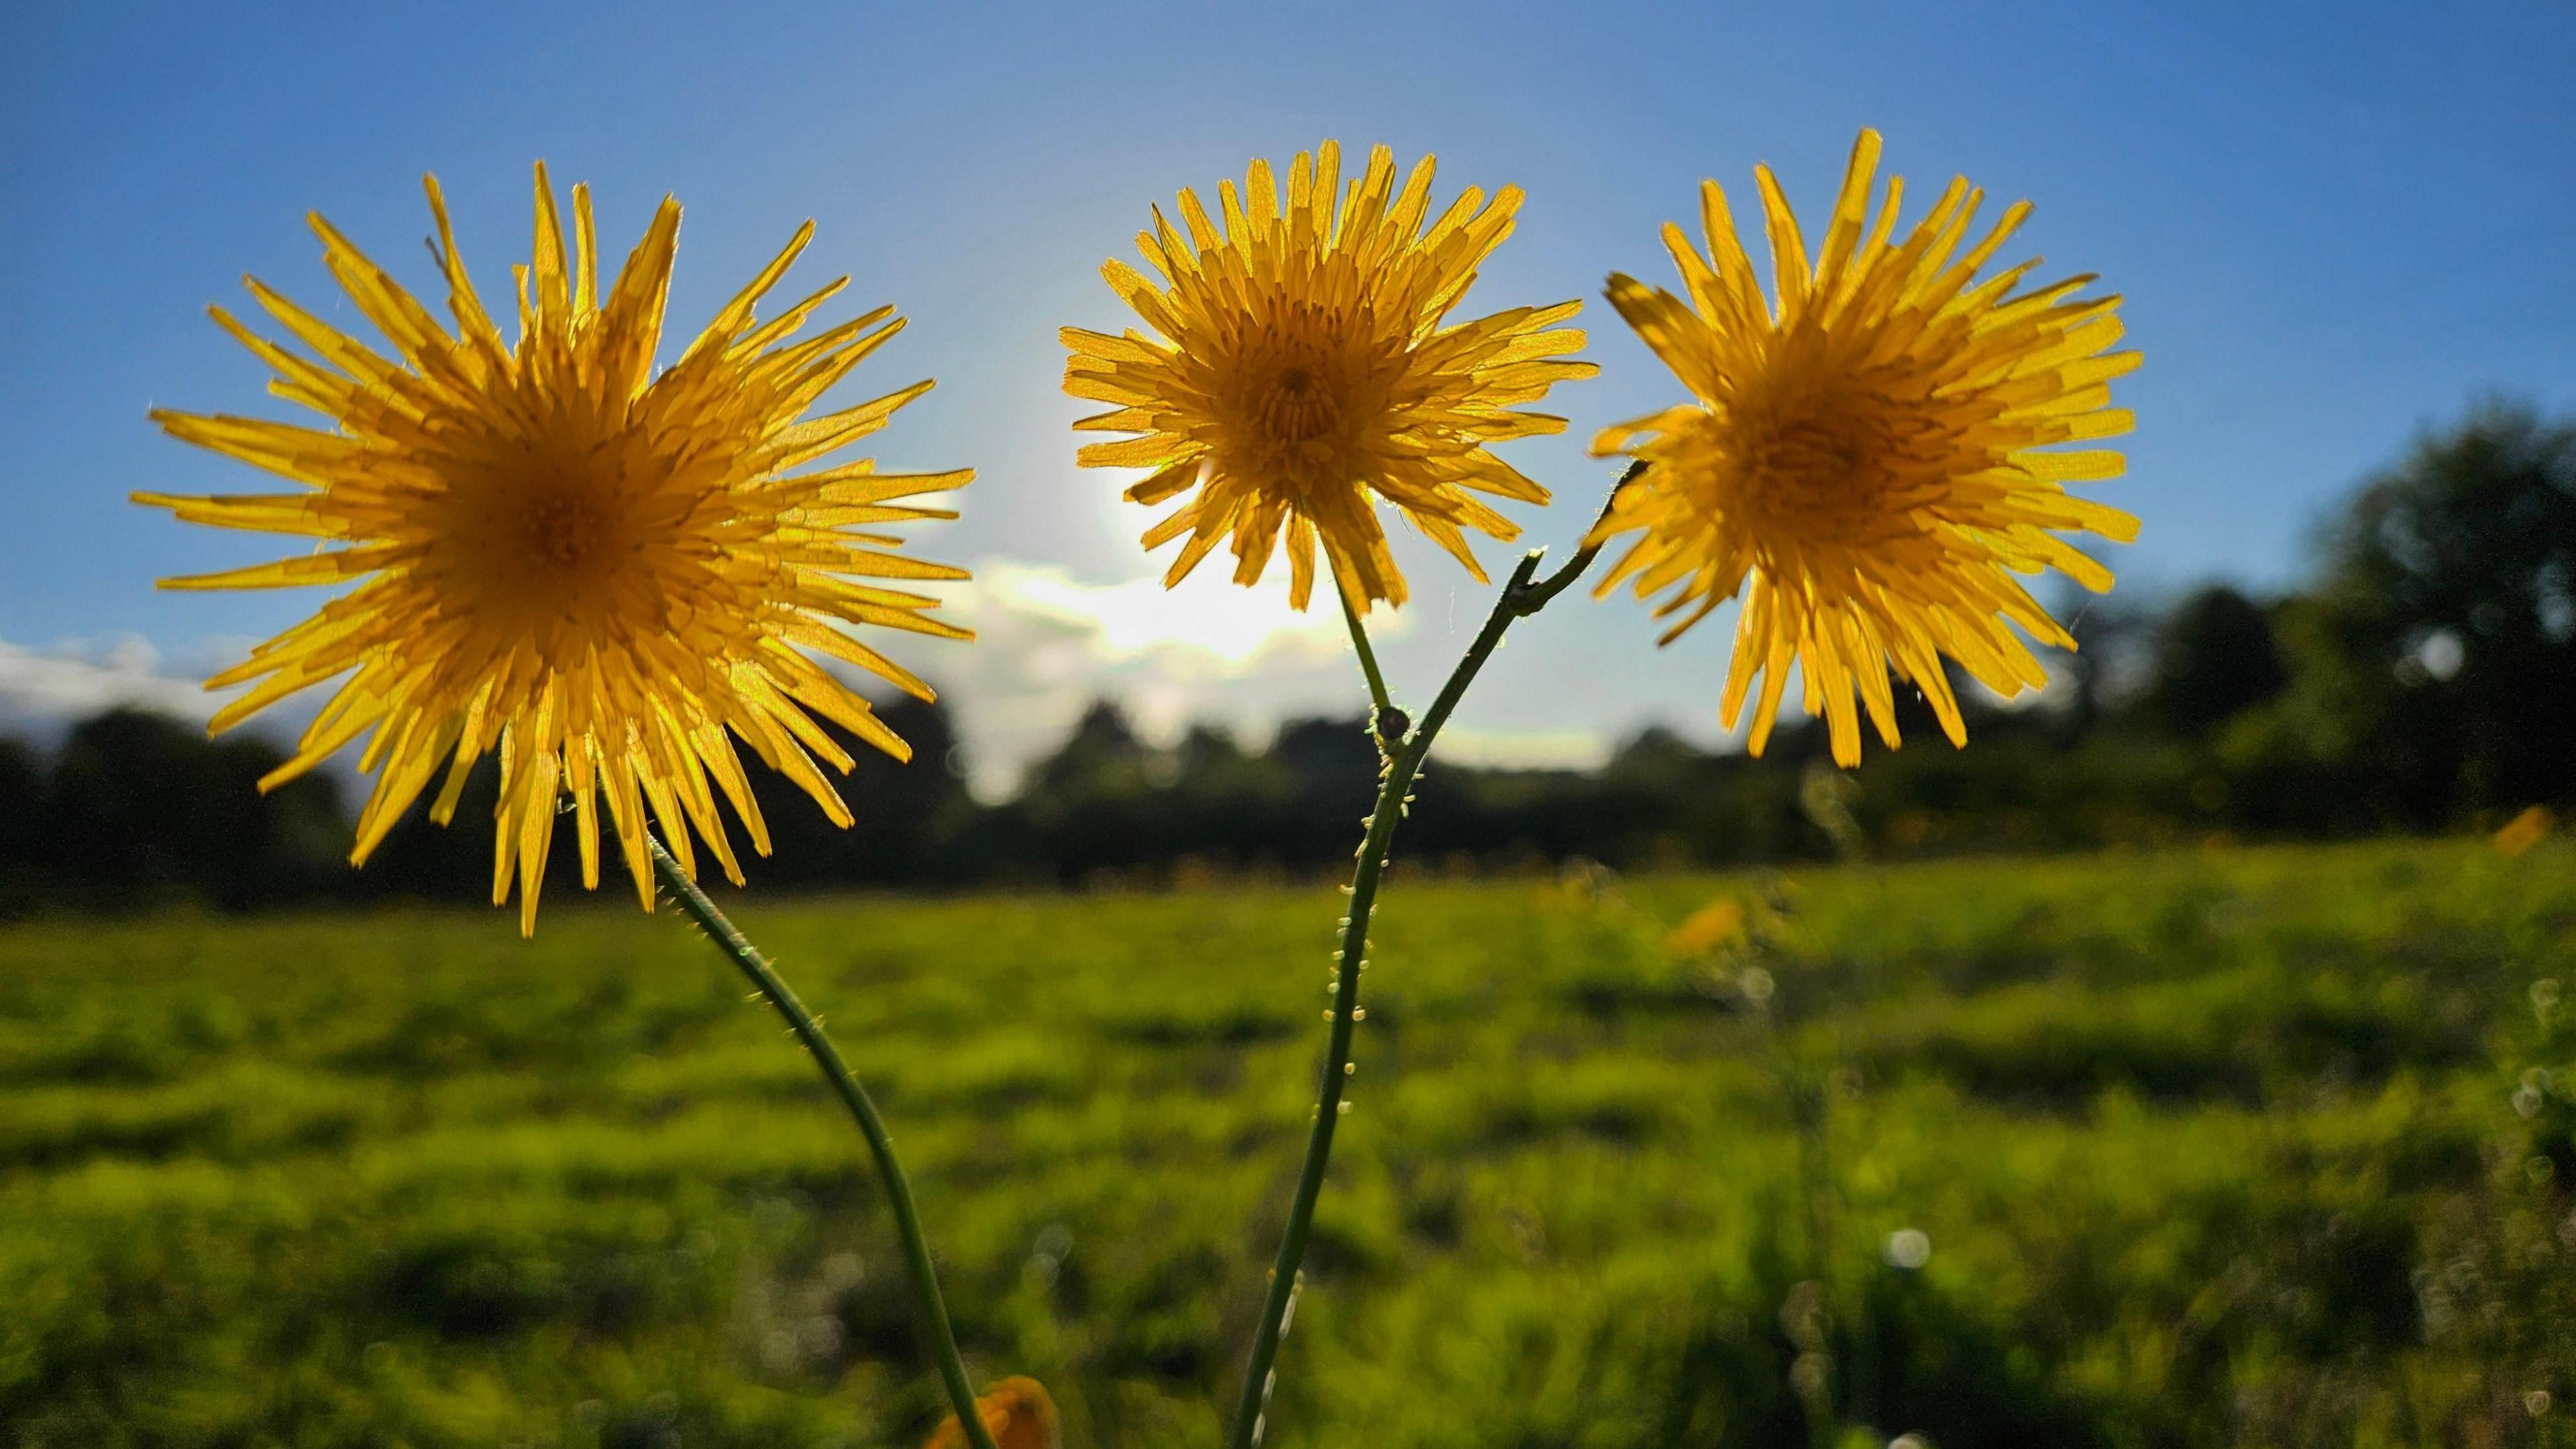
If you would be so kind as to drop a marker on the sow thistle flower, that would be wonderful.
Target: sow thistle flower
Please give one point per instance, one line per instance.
(1303, 370)
(560, 557)
(1867, 462)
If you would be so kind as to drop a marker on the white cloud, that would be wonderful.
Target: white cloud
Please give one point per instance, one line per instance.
(1206, 625)
(1049, 643)
(50, 687)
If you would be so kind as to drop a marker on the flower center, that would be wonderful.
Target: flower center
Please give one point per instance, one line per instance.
(1297, 405)
(562, 531)
(552, 545)
(1305, 389)
(562, 534)
(1828, 454)
(1832, 459)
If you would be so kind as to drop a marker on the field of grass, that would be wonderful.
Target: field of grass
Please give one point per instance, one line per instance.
(2253, 1147)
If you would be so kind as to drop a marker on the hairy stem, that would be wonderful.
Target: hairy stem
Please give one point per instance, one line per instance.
(1525, 594)
(809, 1031)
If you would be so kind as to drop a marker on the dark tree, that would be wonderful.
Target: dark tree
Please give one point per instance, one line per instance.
(21, 786)
(1332, 766)
(1208, 757)
(138, 807)
(1089, 807)
(900, 810)
(2451, 579)
(2101, 671)
(2215, 657)
(1101, 757)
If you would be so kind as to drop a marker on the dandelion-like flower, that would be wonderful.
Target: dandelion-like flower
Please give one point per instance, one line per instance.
(558, 556)
(1304, 371)
(1867, 462)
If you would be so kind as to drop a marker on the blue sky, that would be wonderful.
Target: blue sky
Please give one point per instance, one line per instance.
(2333, 225)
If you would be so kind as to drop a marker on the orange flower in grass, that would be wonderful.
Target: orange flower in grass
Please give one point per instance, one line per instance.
(1017, 1412)
(1305, 371)
(1867, 463)
(2523, 832)
(598, 573)
(1719, 923)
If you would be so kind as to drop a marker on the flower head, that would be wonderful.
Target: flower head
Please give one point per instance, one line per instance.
(1866, 461)
(2524, 831)
(1304, 371)
(1702, 932)
(561, 557)
(1017, 1412)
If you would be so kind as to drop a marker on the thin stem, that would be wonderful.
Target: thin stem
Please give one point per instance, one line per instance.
(809, 1031)
(1368, 656)
(1525, 594)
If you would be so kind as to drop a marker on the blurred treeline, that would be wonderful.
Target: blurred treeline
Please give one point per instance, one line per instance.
(2423, 677)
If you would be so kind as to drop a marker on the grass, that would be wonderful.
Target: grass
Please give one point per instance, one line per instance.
(2253, 1147)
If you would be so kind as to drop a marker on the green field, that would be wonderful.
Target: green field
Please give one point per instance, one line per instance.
(2248, 1147)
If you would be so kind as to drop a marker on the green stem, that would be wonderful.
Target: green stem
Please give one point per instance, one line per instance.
(809, 1031)
(1524, 595)
(1368, 661)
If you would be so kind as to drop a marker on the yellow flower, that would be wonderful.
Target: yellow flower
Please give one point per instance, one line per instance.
(1719, 923)
(1303, 372)
(2523, 832)
(1017, 1412)
(1865, 462)
(560, 556)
